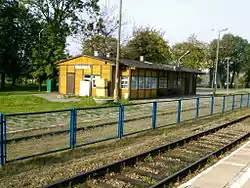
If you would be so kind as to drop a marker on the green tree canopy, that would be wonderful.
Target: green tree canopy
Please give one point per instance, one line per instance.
(149, 43)
(17, 39)
(102, 44)
(59, 19)
(247, 65)
(198, 58)
(233, 47)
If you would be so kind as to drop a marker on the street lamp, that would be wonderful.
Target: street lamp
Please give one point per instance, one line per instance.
(39, 55)
(116, 97)
(228, 63)
(217, 59)
(179, 60)
(39, 38)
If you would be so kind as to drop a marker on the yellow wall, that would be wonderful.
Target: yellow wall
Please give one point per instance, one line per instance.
(83, 60)
(106, 74)
(104, 69)
(124, 72)
(70, 69)
(97, 67)
(78, 78)
(62, 79)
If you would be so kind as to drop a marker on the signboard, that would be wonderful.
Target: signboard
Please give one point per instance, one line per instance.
(82, 66)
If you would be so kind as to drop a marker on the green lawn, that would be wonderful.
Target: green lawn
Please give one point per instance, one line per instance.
(29, 103)
(21, 89)
(20, 99)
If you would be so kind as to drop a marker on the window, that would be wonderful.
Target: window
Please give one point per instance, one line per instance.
(177, 81)
(134, 83)
(124, 82)
(87, 77)
(141, 82)
(153, 83)
(148, 83)
(163, 82)
(94, 77)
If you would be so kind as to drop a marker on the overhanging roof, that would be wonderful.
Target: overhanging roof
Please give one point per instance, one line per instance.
(140, 64)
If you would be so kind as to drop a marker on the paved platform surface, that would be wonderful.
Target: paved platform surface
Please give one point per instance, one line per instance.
(232, 171)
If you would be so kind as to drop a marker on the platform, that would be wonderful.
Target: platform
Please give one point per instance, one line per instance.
(232, 171)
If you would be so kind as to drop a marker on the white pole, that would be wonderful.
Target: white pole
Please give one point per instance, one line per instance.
(217, 60)
(116, 97)
(216, 64)
(228, 76)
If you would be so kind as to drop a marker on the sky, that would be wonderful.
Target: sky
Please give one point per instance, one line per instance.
(181, 18)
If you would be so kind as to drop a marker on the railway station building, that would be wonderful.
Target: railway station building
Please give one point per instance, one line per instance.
(95, 76)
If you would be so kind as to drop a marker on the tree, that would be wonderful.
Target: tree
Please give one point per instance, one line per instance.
(102, 44)
(149, 43)
(247, 65)
(230, 46)
(16, 40)
(8, 48)
(198, 58)
(58, 20)
(103, 40)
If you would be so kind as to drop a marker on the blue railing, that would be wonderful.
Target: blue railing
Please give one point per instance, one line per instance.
(28, 135)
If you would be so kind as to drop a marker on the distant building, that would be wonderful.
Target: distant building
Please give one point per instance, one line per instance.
(138, 79)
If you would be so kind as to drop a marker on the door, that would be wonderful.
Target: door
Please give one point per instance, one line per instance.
(187, 84)
(70, 83)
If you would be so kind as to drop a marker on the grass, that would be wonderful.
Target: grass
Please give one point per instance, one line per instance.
(29, 103)
(21, 89)
(43, 170)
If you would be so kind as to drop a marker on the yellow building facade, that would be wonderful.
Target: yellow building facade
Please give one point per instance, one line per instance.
(138, 80)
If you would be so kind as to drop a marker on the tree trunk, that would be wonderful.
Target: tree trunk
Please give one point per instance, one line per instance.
(2, 80)
(13, 81)
(232, 80)
(40, 81)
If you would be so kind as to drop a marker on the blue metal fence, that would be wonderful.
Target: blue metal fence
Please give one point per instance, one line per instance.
(41, 133)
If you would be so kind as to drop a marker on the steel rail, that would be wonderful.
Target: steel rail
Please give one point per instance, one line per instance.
(118, 165)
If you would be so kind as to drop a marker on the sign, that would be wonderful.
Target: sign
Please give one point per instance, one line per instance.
(82, 66)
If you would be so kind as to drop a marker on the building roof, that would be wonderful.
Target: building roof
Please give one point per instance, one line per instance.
(140, 64)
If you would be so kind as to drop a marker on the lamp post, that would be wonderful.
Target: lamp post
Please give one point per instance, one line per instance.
(39, 38)
(217, 59)
(228, 63)
(116, 97)
(39, 55)
(179, 60)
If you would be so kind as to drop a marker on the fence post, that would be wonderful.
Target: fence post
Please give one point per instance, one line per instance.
(241, 100)
(197, 107)
(121, 120)
(248, 98)
(2, 139)
(223, 103)
(179, 111)
(212, 106)
(73, 116)
(154, 114)
(233, 100)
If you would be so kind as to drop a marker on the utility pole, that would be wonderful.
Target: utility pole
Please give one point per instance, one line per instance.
(116, 96)
(217, 60)
(39, 53)
(228, 63)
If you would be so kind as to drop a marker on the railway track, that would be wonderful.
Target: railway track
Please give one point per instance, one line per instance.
(165, 165)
